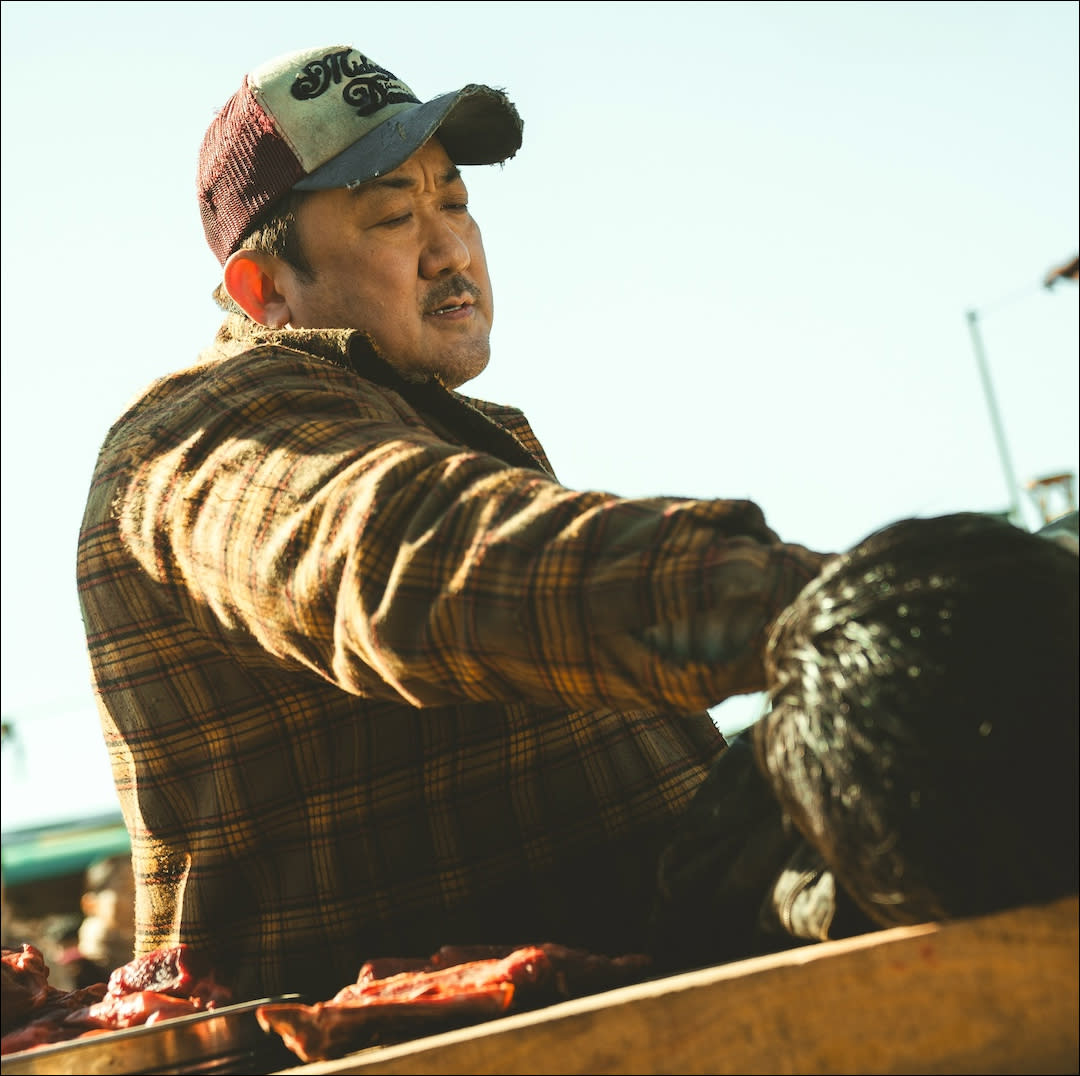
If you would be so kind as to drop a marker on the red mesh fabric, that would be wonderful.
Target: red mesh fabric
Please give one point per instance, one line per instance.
(244, 165)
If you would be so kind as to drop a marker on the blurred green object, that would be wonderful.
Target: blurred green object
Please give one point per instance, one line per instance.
(31, 855)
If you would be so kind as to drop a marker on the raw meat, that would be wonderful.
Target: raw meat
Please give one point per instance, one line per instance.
(395, 999)
(158, 986)
(25, 984)
(177, 971)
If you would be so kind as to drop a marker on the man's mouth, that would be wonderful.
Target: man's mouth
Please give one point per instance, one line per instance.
(449, 308)
(455, 295)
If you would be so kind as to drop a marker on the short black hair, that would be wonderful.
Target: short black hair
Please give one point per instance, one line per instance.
(922, 732)
(275, 233)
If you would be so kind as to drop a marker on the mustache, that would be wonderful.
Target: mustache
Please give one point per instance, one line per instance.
(451, 288)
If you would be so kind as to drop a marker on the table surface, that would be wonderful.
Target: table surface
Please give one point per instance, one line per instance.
(995, 994)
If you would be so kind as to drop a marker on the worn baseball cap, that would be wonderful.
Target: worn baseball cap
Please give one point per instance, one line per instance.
(331, 117)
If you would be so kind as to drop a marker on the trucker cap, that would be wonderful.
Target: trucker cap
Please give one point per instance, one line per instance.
(331, 117)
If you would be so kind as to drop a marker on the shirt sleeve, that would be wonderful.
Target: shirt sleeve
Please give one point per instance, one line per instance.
(292, 517)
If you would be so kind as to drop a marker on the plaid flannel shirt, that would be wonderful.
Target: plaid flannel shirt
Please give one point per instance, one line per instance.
(372, 681)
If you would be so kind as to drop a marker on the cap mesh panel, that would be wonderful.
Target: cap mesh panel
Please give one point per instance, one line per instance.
(244, 166)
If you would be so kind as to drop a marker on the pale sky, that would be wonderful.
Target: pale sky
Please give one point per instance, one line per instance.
(734, 258)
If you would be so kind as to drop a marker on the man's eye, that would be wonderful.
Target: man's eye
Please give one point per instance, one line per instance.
(458, 207)
(394, 222)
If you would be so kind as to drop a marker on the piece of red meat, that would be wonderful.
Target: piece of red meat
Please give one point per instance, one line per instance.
(521, 967)
(394, 999)
(576, 971)
(579, 972)
(58, 1022)
(25, 984)
(43, 1031)
(177, 970)
(143, 1007)
(333, 1028)
(60, 1015)
(157, 986)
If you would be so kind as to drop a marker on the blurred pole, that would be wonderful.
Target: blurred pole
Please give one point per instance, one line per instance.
(995, 418)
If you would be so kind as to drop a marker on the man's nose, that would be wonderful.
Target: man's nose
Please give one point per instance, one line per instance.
(444, 251)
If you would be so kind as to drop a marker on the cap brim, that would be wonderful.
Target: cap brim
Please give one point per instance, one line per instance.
(476, 125)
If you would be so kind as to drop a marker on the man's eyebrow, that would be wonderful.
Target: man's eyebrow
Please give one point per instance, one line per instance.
(404, 183)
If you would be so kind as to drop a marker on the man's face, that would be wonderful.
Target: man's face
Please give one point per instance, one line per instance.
(401, 258)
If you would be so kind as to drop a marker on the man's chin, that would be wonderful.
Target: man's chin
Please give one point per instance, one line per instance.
(449, 365)
(454, 370)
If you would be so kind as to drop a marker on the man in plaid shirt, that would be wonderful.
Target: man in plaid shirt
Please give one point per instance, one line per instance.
(372, 680)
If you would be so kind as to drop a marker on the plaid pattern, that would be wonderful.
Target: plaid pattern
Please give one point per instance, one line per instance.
(373, 682)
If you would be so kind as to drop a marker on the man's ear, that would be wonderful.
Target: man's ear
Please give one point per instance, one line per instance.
(251, 281)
